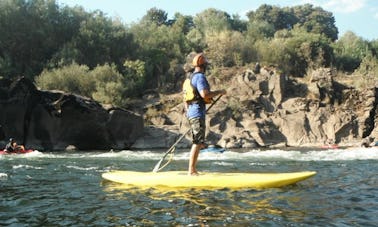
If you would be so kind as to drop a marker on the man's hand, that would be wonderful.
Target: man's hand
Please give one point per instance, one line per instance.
(222, 92)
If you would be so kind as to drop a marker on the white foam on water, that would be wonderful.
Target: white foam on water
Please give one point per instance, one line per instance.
(128, 154)
(82, 168)
(342, 154)
(34, 153)
(289, 155)
(250, 155)
(3, 176)
(125, 154)
(311, 155)
(26, 167)
(224, 163)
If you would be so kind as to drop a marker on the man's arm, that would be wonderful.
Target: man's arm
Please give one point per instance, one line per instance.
(206, 94)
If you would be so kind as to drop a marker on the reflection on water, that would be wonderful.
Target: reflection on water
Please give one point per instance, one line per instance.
(218, 207)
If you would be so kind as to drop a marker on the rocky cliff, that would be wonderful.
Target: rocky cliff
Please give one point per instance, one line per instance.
(54, 120)
(270, 109)
(264, 109)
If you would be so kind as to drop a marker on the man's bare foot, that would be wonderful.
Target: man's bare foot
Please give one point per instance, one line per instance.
(195, 173)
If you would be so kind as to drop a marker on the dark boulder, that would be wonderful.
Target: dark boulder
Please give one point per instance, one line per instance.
(54, 120)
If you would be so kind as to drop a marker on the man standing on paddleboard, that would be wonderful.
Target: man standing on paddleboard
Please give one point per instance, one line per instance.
(196, 108)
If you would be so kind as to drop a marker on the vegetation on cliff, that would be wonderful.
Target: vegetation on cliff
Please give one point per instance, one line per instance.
(91, 54)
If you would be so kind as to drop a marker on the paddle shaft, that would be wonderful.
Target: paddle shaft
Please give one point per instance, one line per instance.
(156, 169)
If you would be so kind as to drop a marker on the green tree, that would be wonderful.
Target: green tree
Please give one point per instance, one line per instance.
(209, 23)
(38, 34)
(196, 40)
(135, 72)
(237, 24)
(212, 21)
(313, 19)
(374, 48)
(296, 51)
(159, 45)
(350, 49)
(183, 23)
(258, 30)
(279, 18)
(225, 48)
(155, 15)
(101, 40)
(24, 27)
(155, 46)
(316, 20)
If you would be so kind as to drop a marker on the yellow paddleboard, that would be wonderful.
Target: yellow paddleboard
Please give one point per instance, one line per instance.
(180, 179)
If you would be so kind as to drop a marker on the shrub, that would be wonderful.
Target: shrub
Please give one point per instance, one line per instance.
(295, 51)
(109, 85)
(366, 75)
(349, 51)
(225, 48)
(104, 83)
(73, 78)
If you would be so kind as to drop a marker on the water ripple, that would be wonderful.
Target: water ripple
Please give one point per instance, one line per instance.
(66, 189)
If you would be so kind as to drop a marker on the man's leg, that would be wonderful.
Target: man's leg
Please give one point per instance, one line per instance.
(198, 132)
(194, 152)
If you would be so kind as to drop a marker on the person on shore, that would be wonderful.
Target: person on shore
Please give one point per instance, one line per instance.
(196, 108)
(257, 68)
(368, 142)
(13, 147)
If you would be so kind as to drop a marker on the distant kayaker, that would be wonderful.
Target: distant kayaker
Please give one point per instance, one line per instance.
(196, 108)
(12, 146)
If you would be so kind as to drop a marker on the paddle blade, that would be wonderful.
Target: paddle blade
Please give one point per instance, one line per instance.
(157, 166)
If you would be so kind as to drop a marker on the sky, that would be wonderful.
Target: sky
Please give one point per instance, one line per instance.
(358, 16)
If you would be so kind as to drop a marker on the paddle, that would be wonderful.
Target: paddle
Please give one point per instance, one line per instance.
(172, 148)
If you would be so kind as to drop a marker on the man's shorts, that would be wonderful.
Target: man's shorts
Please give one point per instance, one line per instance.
(198, 130)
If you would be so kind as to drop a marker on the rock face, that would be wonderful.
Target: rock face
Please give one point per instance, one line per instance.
(53, 120)
(260, 109)
(269, 109)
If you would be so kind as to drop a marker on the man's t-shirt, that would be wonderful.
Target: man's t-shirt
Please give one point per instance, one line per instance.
(198, 109)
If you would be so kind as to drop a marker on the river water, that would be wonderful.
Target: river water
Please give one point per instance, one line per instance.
(66, 189)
